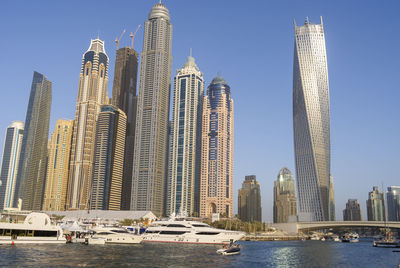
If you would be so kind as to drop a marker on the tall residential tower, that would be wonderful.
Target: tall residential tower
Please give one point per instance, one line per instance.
(124, 97)
(376, 205)
(188, 92)
(108, 159)
(91, 95)
(9, 165)
(151, 139)
(216, 180)
(32, 164)
(393, 203)
(352, 212)
(58, 166)
(311, 123)
(249, 200)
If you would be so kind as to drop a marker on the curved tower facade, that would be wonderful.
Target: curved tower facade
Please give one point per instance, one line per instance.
(151, 139)
(216, 179)
(188, 92)
(91, 95)
(32, 164)
(311, 123)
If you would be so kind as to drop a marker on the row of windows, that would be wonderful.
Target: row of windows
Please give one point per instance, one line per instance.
(31, 233)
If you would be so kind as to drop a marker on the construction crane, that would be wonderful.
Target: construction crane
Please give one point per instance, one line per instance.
(119, 39)
(133, 35)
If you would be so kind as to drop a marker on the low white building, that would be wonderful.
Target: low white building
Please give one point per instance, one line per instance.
(110, 216)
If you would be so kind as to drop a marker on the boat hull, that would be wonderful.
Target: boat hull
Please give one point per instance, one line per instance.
(386, 244)
(21, 241)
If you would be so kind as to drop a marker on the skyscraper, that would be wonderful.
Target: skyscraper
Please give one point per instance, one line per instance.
(91, 95)
(284, 197)
(150, 156)
(124, 97)
(188, 90)
(249, 200)
(332, 216)
(216, 181)
(352, 212)
(108, 159)
(393, 203)
(59, 149)
(311, 122)
(375, 205)
(9, 165)
(32, 164)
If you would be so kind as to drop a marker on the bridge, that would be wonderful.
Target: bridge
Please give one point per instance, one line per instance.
(296, 227)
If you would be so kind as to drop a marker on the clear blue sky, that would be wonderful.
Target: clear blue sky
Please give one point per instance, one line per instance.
(251, 44)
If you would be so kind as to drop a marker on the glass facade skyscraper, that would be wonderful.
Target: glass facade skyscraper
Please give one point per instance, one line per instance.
(216, 179)
(151, 139)
(32, 164)
(311, 123)
(284, 197)
(108, 161)
(9, 165)
(188, 92)
(375, 205)
(393, 203)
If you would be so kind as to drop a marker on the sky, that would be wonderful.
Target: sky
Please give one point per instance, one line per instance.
(250, 43)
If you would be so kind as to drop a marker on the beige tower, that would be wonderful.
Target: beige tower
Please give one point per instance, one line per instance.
(59, 149)
(216, 179)
(91, 95)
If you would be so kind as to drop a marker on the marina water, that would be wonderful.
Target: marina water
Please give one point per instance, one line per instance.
(253, 254)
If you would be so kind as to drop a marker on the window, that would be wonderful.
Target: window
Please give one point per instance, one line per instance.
(173, 232)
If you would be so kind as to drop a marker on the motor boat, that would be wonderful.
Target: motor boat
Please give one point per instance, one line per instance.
(233, 249)
(350, 238)
(112, 235)
(185, 230)
(336, 238)
(388, 241)
(36, 228)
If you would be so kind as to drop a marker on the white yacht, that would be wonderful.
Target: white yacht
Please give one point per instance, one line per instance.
(187, 231)
(112, 235)
(36, 228)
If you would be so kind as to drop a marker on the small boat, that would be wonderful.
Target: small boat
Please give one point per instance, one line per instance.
(350, 238)
(387, 242)
(230, 250)
(322, 238)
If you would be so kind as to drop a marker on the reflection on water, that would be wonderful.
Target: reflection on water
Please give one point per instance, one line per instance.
(253, 254)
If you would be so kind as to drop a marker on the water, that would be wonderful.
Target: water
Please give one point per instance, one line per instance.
(253, 254)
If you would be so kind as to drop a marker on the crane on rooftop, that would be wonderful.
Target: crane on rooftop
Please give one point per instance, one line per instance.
(133, 35)
(119, 39)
